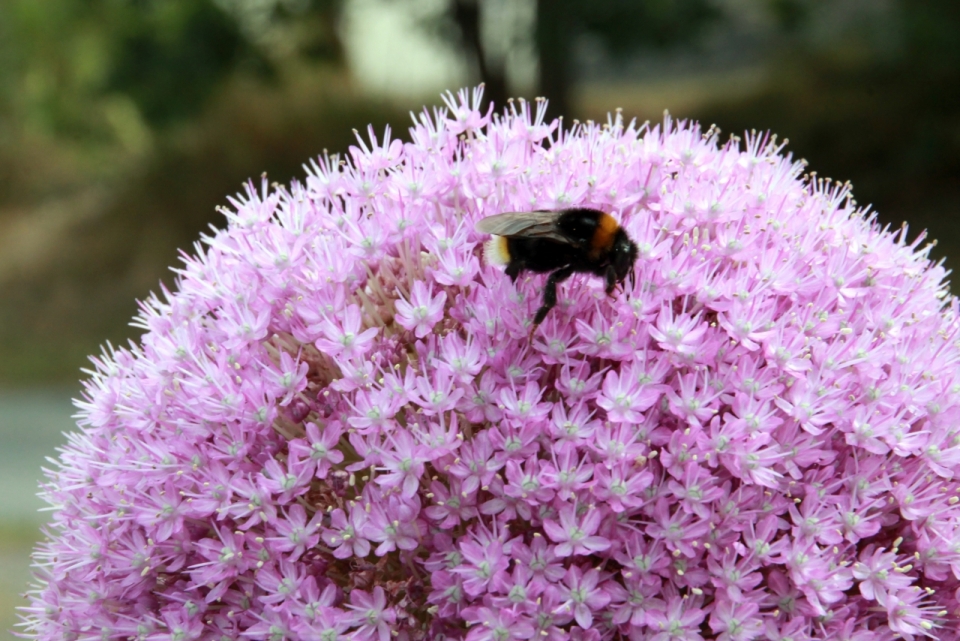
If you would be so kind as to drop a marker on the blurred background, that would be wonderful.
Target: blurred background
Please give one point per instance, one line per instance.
(124, 123)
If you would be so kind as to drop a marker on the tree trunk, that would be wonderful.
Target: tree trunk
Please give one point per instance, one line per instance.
(553, 38)
(466, 13)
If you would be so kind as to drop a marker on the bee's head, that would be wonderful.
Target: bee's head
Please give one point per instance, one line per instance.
(624, 255)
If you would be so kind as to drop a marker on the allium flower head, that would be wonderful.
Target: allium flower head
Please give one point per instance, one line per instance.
(336, 425)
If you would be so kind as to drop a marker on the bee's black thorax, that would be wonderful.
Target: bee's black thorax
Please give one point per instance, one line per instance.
(581, 226)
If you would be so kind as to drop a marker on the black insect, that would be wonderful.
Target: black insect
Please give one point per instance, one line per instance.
(585, 241)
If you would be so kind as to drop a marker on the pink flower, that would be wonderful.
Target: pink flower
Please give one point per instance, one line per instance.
(576, 536)
(422, 312)
(625, 398)
(337, 424)
(345, 338)
(320, 447)
(371, 614)
(680, 531)
(485, 558)
(496, 624)
(678, 333)
(475, 465)
(679, 620)
(581, 596)
(736, 621)
(295, 534)
(394, 523)
(404, 465)
(347, 534)
(451, 506)
(879, 574)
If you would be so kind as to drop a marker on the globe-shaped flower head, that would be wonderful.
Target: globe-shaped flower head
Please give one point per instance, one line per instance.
(336, 426)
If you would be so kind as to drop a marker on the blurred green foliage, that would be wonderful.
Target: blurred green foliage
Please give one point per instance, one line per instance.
(63, 61)
(168, 56)
(87, 86)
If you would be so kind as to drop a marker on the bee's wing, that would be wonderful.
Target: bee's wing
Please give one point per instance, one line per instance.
(530, 224)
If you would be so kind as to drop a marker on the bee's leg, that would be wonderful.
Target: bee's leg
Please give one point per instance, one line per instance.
(610, 276)
(550, 295)
(513, 270)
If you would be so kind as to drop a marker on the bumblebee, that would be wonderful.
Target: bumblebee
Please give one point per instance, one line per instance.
(562, 243)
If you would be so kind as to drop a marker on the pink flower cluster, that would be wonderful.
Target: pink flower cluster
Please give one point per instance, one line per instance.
(337, 428)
